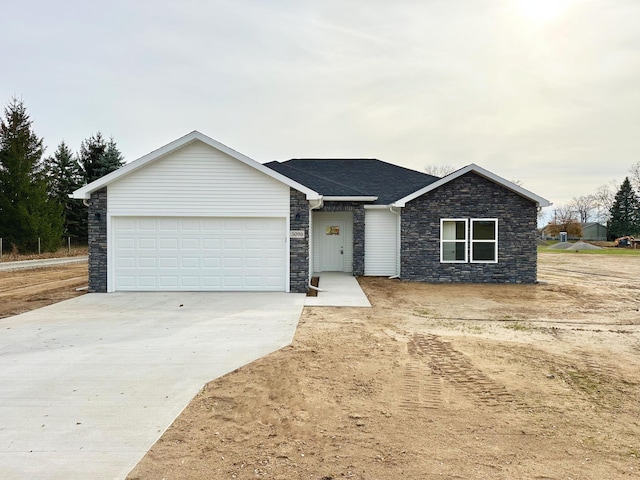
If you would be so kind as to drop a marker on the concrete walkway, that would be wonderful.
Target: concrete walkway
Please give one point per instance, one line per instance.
(45, 262)
(338, 290)
(88, 385)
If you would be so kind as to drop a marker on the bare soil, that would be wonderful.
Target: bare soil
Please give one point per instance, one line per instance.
(24, 290)
(435, 381)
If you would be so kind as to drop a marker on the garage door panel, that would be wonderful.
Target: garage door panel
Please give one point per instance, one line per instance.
(211, 243)
(147, 244)
(168, 262)
(148, 281)
(199, 253)
(126, 262)
(125, 242)
(190, 262)
(211, 262)
(147, 224)
(148, 262)
(168, 225)
(168, 281)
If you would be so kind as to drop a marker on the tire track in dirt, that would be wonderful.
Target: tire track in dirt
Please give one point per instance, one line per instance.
(420, 388)
(449, 364)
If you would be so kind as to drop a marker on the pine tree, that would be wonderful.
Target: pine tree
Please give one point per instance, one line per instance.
(98, 157)
(65, 175)
(25, 211)
(625, 212)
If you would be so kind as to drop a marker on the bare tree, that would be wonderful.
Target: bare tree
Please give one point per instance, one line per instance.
(604, 198)
(439, 170)
(565, 219)
(583, 206)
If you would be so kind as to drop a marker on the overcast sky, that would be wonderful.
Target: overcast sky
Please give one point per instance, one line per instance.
(546, 92)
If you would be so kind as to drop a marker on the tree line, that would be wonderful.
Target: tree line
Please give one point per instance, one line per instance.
(34, 188)
(615, 205)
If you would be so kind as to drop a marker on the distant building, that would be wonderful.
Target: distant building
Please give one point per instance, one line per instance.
(594, 231)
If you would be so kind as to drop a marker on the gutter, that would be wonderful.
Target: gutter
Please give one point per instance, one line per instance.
(319, 205)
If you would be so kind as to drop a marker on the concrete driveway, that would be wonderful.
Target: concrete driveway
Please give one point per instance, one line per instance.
(88, 385)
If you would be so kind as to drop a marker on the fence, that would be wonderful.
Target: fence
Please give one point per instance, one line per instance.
(70, 245)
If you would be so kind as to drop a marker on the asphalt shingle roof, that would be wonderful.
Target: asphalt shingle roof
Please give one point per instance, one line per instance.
(354, 177)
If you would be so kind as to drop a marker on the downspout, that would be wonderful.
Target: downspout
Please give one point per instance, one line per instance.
(311, 208)
(397, 275)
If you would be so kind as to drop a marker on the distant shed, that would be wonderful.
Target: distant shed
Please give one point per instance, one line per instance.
(594, 231)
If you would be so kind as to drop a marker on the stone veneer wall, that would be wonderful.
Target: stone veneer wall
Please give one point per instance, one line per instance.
(298, 247)
(358, 230)
(470, 196)
(98, 241)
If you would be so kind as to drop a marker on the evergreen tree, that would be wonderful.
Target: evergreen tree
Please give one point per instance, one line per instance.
(113, 159)
(65, 175)
(25, 211)
(625, 212)
(98, 157)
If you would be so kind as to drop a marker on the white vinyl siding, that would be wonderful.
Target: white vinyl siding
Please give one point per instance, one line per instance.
(199, 254)
(380, 243)
(198, 180)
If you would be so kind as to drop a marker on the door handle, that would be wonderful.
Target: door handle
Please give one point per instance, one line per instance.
(341, 251)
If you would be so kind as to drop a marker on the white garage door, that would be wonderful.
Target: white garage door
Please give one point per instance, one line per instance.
(183, 253)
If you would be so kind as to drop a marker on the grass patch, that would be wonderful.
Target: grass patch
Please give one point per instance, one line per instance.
(474, 329)
(517, 326)
(604, 251)
(584, 382)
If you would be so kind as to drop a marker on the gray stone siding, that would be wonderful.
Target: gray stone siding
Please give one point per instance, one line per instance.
(98, 241)
(470, 196)
(358, 230)
(299, 247)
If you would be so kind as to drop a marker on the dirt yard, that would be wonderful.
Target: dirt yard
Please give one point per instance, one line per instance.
(24, 290)
(433, 382)
(449, 381)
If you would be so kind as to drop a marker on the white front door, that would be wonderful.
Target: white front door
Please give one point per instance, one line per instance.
(332, 246)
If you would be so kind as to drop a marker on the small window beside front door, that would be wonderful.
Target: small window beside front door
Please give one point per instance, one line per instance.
(332, 230)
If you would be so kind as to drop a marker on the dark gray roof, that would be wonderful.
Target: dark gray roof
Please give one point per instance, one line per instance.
(354, 177)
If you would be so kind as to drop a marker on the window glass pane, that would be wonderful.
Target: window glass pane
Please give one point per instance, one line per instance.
(448, 251)
(453, 230)
(483, 251)
(453, 251)
(484, 230)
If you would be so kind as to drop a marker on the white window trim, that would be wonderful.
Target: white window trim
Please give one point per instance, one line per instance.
(472, 241)
(466, 239)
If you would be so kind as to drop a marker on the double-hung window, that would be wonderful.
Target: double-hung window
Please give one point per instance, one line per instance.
(472, 240)
(453, 240)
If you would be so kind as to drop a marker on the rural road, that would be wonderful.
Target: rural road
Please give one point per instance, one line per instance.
(47, 262)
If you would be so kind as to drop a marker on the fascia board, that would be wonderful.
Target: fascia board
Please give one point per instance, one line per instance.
(350, 199)
(377, 207)
(540, 201)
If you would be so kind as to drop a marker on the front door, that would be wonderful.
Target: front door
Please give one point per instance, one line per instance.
(332, 234)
